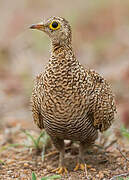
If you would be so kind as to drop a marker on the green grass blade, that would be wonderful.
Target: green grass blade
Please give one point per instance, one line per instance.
(14, 145)
(51, 177)
(1, 162)
(33, 176)
(31, 137)
(120, 178)
(41, 135)
(125, 132)
(3, 148)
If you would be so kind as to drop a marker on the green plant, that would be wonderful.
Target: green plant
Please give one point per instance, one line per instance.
(33, 176)
(46, 177)
(41, 141)
(125, 132)
(1, 162)
(9, 146)
(120, 178)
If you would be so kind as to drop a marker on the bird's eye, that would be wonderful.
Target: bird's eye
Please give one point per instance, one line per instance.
(54, 25)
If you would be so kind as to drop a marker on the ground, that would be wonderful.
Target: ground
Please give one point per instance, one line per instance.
(19, 158)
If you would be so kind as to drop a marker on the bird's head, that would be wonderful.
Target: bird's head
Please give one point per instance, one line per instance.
(57, 28)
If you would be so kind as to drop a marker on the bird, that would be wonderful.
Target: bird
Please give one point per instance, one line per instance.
(68, 100)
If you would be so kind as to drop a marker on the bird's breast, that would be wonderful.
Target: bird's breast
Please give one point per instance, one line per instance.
(63, 97)
(63, 103)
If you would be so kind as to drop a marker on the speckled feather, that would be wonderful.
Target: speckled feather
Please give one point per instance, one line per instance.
(68, 100)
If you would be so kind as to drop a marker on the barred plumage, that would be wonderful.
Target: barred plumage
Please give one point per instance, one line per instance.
(68, 100)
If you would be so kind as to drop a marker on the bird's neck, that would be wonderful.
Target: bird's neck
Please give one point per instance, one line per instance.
(62, 54)
(62, 63)
(62, 46)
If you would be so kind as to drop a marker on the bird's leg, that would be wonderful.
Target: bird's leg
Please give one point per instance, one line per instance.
(81, 163)
(59, 144)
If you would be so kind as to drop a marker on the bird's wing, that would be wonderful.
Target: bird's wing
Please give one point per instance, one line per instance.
(36, 100)
(101, 102)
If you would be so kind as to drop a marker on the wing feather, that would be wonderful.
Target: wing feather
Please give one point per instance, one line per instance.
(102, 102)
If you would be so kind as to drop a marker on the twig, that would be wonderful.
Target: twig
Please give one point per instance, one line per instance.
(86, 175)
(113, 142)
(98, 146)
(114, 177)
(51, 153)
(122, 154)
(105, 148)
(102, 150)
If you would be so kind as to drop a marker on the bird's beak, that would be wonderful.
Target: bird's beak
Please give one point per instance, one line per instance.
(39, 26)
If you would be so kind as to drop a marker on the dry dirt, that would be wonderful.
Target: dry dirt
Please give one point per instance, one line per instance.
(18, 162)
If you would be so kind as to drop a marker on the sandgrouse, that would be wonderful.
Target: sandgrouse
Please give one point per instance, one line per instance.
(68, 100)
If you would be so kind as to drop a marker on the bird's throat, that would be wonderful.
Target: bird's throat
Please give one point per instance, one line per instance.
(62, 66)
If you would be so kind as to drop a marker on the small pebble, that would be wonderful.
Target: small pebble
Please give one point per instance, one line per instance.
(93, 169)
(101, 175)
(49, 168)
(26, 165)
(9, 172)
(10, 161)
(97, 175)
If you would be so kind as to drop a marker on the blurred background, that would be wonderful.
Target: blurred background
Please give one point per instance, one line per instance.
(100, 41)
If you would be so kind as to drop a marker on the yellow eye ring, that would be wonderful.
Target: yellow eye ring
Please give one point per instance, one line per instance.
(54, 25)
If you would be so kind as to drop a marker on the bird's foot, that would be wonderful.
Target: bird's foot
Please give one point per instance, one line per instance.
(81, 166)
(60, 170)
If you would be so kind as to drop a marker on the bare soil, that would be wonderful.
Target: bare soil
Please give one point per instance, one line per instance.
(18, 162)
